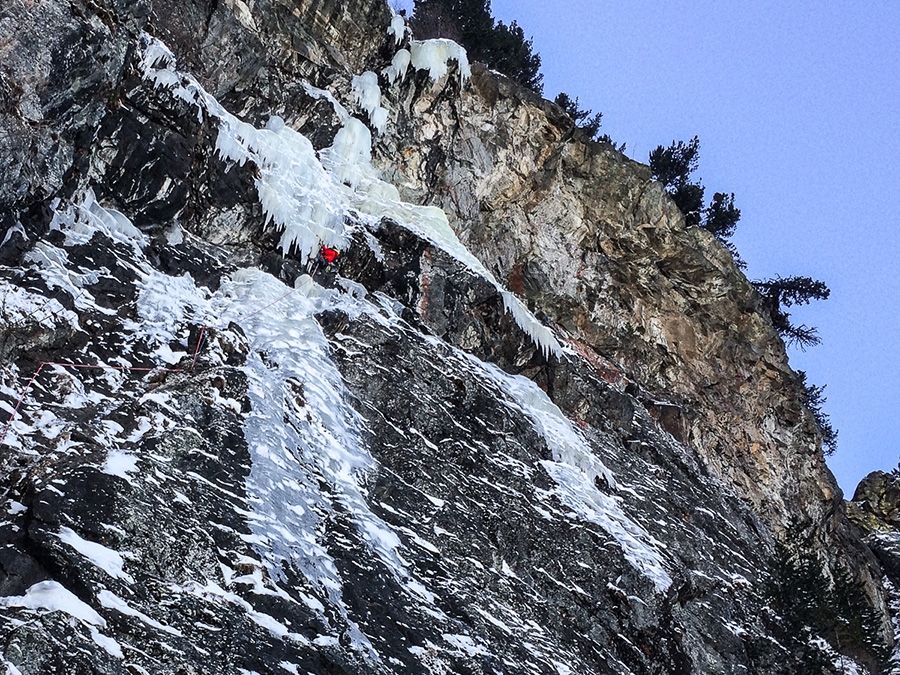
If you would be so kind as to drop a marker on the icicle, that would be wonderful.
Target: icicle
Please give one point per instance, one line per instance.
(434, 55)
(399, 66)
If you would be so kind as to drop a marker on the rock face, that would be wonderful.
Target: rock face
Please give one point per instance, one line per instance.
(875, 509)
(219, 464)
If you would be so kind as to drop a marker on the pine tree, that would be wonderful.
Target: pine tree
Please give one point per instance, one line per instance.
(857, 623)
(721, 216)
(811, 605)
(585, 120)
(512, 54)
(673, 166)
(779, 293)
(814, 400)
(797, 592)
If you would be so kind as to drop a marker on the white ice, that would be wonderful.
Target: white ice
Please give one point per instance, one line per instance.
(397, 28)
(302, 431)
(435, 56)
(367, 94)
(399, 66)
(309, 203)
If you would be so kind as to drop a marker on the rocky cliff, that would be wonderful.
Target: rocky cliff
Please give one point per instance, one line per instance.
(527, 422)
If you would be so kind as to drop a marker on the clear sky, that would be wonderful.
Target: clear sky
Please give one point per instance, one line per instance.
(797, 106)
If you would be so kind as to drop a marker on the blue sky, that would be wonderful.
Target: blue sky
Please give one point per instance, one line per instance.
(797, 107)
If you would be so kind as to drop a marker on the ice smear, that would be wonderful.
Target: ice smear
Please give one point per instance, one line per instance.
(80, 219)
(52, 261)
(308, 203)
(51, 596)
(342, 114)
(13, 229)
(106, 559)
(301, 432)
(576, 470)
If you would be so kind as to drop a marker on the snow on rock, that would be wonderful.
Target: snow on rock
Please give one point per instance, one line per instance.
(51, 596)
(110, 600)
(120, 464)
(577, 471)
(109, 645)
(20, 306)
(105, 558)
(435, 56)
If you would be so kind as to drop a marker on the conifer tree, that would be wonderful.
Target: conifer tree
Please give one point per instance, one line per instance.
(721, 216)
(585, 120)
(814, 399)
(811, 605)
(673, 166)
(782, 292)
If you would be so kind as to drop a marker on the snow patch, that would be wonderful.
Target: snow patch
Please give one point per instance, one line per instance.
(51, 596)
(121, 464)
(109, 645)
(106, 559)
(110, 600)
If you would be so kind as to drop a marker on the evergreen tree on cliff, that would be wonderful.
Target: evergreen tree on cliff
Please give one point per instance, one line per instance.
(782, 292)
(470, 23)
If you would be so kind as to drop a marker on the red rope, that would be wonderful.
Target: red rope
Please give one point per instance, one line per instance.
(197, 350)
(19, 402)
(83, 366)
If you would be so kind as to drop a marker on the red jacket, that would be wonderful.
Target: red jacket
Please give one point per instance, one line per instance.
(329, 255)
